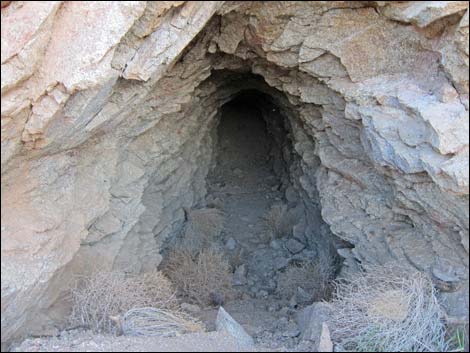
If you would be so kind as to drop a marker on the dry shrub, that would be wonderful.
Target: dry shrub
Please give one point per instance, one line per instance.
(203, 227)
(197, 275)
(158, 322)
(315, 278)
(158, 289)
(236, 259)
(98, 298)
(278, 221)
(388, 309)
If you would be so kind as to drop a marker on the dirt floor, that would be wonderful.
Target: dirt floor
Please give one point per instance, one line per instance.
(271, 331)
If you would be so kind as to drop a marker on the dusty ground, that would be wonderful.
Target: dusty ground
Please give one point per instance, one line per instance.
(80, 341)
(271, 332)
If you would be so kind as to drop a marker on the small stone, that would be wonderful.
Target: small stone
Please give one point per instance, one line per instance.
(294, 246)
(291, 195)
(445, 275)
(272, 285)
(282, 263)
(325, 344)
(284, 311)
(274, 244)
(190, 308)
(293, 302)
(447, 93)
(215, 203)
(291, 331)
(302, 297)
(231, 244)
(344, 252)
(270, 309)
(212, 48)
(262, 294)
(228, 324)
(310, 319)
(273, 307)
(239, 277)
(298, 232)
(238, 172)
(300, 257)
(282, 322)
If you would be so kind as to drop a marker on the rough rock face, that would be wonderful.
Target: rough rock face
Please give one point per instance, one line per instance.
(109, 111)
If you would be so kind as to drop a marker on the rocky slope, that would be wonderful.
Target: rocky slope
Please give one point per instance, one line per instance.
(109, 111)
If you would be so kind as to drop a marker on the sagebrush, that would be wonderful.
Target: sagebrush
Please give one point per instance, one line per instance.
(198, 274)
(202, 228)
(96, 299)
(388, 309)
(314, 277)
(158, 322)
(278, 221)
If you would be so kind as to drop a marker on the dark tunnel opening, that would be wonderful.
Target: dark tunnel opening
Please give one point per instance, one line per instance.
(272, 236)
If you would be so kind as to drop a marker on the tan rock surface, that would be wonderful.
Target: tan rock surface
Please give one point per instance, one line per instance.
(108, 110)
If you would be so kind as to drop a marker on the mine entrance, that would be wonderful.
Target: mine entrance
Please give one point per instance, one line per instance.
(244, 183)
(254, 246)
(249, 181)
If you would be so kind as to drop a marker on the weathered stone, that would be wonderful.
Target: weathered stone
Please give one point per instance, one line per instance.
(23, 45)
(163, 46)
(422, 13)
(298, 232)
(231, 244)
(294, 246)
(281, 263)
(325, 344)
(274, 244)
(291, 330)
(311, 319)
(239, 276)
(302, 297)
(190, 308)
(326, 65)
(225, 322)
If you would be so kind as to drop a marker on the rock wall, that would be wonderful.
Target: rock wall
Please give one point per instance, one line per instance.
(108, 112)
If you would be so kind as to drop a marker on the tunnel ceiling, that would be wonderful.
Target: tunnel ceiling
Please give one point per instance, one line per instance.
(107, 130)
